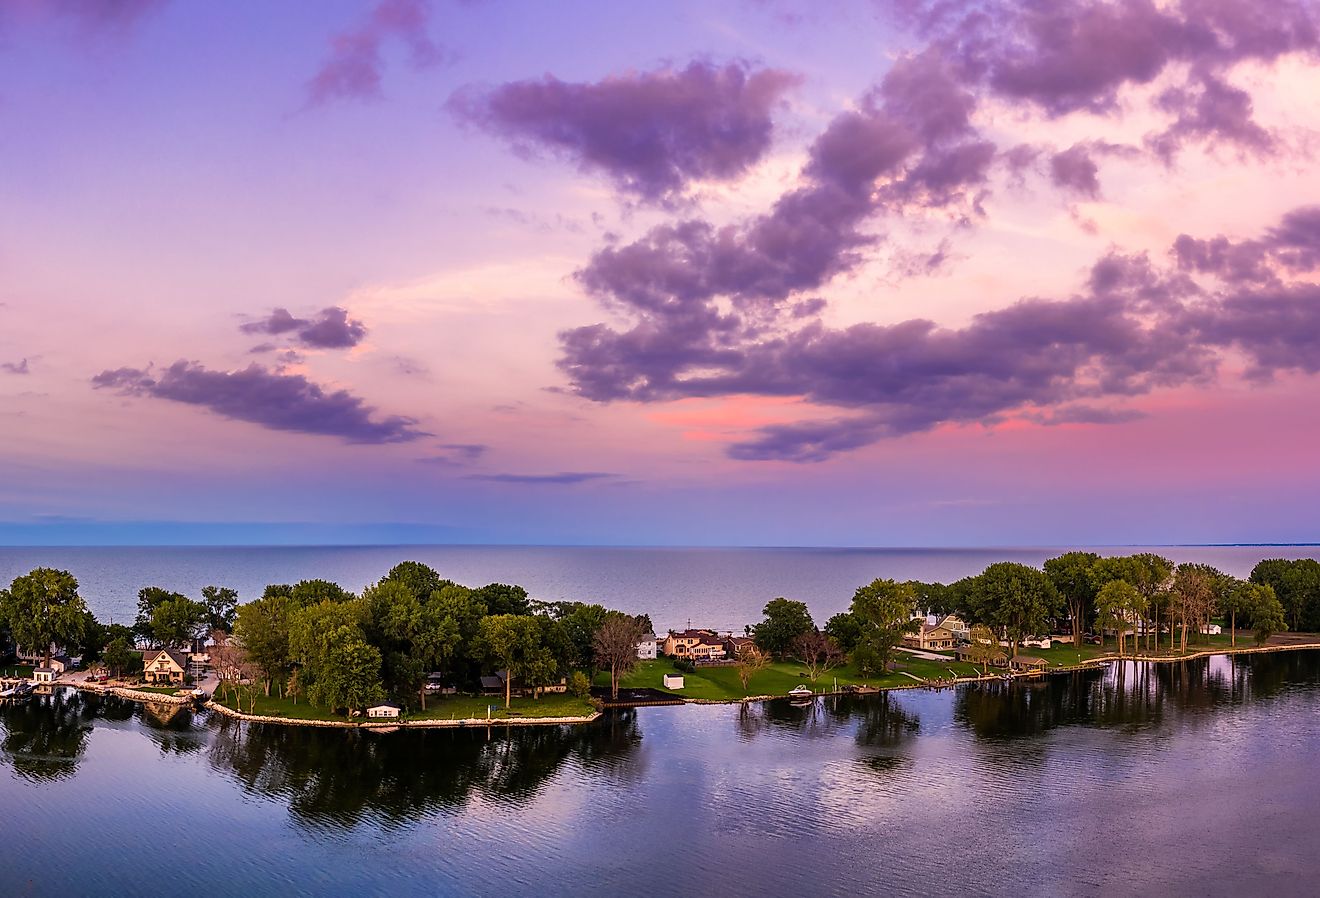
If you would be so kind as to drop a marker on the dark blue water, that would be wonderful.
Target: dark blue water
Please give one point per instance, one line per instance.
(722, 588)
(1190, 779)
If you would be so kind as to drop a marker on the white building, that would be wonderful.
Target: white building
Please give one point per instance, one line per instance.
(647, 647)
(388, 710)
(673, 681)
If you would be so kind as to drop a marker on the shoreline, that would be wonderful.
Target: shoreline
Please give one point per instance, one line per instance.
(389, 726)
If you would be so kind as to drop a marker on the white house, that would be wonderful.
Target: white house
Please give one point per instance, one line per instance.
(646, 647)
(1212, 630)
(43, 675)
(388, 709)
(673, 681)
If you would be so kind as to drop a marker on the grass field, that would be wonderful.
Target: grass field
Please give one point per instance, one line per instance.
(21, 671)
(160, 690)
(722, 683)
(454, 707)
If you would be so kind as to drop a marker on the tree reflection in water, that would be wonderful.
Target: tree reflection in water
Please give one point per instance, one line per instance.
(880, 722)
(340, 777)
(46, 735)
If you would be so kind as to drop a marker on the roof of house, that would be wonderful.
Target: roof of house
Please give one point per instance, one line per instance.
(647, 637)
(692, 634)
(386, 705)
(174, 655)
(492, 682)
(43, 670)
(1029, 659)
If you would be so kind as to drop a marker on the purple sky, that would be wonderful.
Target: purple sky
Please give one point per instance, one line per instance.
(916, 272)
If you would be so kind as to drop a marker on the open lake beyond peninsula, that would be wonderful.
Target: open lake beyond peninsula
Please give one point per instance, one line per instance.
(1191, 778)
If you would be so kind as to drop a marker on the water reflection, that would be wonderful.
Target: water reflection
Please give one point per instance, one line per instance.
(339, 777)
(46, 735)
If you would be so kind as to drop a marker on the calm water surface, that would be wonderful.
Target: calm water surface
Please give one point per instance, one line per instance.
(1190, 779)
(723, 588)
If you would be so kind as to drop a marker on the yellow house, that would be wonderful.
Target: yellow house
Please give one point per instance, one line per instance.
(164, 667)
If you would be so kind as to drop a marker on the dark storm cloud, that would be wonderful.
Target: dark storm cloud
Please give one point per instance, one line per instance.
(270, 399)
(651, 133)
(331, 328)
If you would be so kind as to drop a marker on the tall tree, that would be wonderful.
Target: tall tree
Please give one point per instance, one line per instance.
(1073, 578)
(1015, 599)
(1296, 584)
(615, 646)
(263, 629)
(844, 629)
(177, 621)
(44, 607)
(983, 646)
(418, 579)
(221, 607)
(1118, 604)
(884, 613)
(1149, 574)
(149, 598)
(751, 662)
(502, 598)
(1192, 598)
(1267, 615)
(785, 620)
(511, 643)
(581, 623)
(311, 592)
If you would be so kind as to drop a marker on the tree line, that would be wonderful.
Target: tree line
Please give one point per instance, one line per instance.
(1144, 596)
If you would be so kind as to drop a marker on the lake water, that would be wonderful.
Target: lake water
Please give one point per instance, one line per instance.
(720, 588)
(1188, 779)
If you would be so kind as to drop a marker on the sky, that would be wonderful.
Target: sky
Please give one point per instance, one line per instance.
(753, 272)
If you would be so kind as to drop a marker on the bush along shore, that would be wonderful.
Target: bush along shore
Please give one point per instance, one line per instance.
(416, 649)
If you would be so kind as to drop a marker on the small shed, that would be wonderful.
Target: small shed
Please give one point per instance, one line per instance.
(387, 710)
(43, 675)
(492, 685)
(673, 681)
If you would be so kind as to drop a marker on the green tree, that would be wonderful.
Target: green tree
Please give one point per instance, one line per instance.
(120, 655)
(221, 607)
(1296, 584)
(581, 623)
(417, 578)
(1117, 604)
(1234, 601)
(177, 620)
(263, 629)
(933, 598)
(1267, 614)
(44, 608)
(149, 598)
(501, 598)
(845, 630)
(1073, 578)
(511, 643)
(348, 676)
(785, 620)
(312, 592)
(1192, 598)
(1150, 575)
(1015, 599)
(884, 613)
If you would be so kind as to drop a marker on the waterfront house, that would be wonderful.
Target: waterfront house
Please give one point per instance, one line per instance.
(1212, 630)
(492, 685)
(735, 646)
(930, 636)
(385, 710)
(647, 646)
(961, 630)
(164, 667)
(679, 644)
(1028, 663)
(673, 681)
(43, 675)
(437, 683)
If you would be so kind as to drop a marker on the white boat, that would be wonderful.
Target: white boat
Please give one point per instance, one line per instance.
(801, 691)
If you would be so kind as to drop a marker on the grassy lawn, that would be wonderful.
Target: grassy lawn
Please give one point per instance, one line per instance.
(722, 683)
(162, 690)
(22, 671)
(454, 707)
(458, 707)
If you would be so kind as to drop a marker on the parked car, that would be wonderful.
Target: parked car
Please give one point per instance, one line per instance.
(1092, 640)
